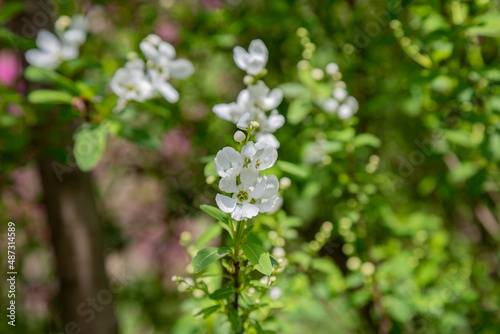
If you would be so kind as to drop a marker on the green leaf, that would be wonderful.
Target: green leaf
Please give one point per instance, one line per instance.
(141, 137)
(50, 97)
(223, 293)
(10, 10)
(463, 172)
(293, 89)
(366, 139)
(274, 262)
(90, 143)
(292, 169)
(208, 311)
(207, 256)
(216, 213)
(298, 110)
(235, 320)
(259, 257)
(43, 75)
(207, 236)
(459, 137)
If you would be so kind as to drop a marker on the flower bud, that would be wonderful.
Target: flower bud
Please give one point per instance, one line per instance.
(239, 136)
(332, 68)
(285, 182)
(248, 80)
(254, 124)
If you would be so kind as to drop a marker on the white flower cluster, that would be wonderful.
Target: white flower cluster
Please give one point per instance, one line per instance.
(53, 49)
(247, 191)
(139, 80)
(341, 102)
(255, 103)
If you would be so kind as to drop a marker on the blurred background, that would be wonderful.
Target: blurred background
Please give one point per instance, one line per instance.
(389, 223)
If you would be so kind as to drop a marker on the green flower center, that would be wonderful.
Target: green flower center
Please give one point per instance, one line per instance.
(242, 196)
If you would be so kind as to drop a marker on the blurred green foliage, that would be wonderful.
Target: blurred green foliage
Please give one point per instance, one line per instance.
(410, 184)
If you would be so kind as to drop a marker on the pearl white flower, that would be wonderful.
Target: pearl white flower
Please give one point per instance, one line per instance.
(131, 83)
(51, 51)
(339, 93)
(249, 195)
(331, 105)
(332, 68)
(239, 136)
(163, 66)
(76, 32)
(228, 162)
(253, 61)
(275, 293)
(349, 108)
(261, 155)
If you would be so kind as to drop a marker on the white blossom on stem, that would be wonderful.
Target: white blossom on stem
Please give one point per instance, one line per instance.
(131, 83)
(253, 61)
(162, 66)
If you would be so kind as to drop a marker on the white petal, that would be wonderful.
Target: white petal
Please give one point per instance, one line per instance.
(153, 39)
(47, 41)
(245, 211)
(275, 121)
(228, 184)
(168, 91)
(224, 111)
(248, 177)
(69, 52)
(166, 49)
(149, 50)
(345, 111)
(135, 64)
(339, 93)
(272, 186)
(273, 99)
(353, 103)
(330, 105)
(249, 150)
(259, 49)
(38, 58)
(181, 68)
(266, 206)
(277, 204)
(75, 37)
(244, 122)
(268, 138)
(240, 57)
(226, 204)
(226, 159)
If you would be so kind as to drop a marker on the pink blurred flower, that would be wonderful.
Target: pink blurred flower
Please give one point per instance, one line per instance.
(168, 31)
(10, 68)
(175, 144)
(212, 4)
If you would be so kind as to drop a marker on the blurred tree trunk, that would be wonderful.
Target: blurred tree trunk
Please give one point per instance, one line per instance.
(86, 299)
(77, 241)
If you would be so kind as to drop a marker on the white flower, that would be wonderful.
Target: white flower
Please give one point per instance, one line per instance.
(228, 162)
(239, 136)
(261, 155)
(339, 93)
(331, 105)
(76, 33)
(349, 108)
(275, 293)
(253, 61)
(249, 195)
(163, 66)
(260, 96)
(51, 51)
(332, 68)
(131, 83)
